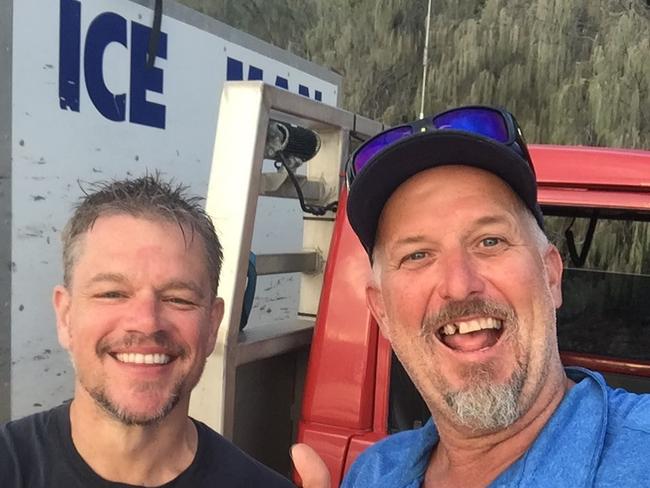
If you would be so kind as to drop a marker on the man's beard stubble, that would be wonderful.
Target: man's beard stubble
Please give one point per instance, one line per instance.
(486, 406)
(127, 418)
(483, 405)
(102, 399)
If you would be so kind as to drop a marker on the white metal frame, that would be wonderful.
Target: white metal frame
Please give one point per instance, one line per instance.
(235, 183)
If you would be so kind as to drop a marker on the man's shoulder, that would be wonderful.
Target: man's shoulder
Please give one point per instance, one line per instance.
(396, 460)
(229, 464)
(626, 440)
(28, 442)
(629, 412)
(625, 411)
(33, 427)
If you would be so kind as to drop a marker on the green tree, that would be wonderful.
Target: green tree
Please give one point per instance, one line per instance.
(573, 72)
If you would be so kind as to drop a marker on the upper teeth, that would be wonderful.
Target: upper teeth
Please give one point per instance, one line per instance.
(471, 326)
(137, 358)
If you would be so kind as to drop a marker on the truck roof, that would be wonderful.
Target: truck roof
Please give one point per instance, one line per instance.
(582, 176)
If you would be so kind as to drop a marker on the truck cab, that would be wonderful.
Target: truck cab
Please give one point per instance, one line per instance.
(596, 204)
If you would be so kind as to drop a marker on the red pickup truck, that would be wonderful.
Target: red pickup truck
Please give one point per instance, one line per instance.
(597, 209)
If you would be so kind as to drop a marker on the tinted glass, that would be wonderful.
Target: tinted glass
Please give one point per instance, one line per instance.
(486, 122)
(606, 310)
(378, 143)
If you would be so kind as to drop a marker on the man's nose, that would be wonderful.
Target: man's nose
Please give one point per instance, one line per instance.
(459, 276)
(145, 314)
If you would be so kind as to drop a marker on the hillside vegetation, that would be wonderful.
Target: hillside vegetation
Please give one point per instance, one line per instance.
(574, 72)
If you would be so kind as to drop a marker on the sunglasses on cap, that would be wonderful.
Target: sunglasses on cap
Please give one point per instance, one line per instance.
(493, 123)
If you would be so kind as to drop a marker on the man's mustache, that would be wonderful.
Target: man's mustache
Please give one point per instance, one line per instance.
(130, 340)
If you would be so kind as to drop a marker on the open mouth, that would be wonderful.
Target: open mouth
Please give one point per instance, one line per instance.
(139, 358)
(471, 335)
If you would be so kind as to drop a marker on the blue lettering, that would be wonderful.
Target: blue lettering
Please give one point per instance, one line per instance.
(105, 29)
(234, 70)
(145, 79)
(69, 53)
(281, 82)
(255, 73)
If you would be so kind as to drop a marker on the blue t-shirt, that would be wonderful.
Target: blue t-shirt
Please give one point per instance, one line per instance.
(598, 436)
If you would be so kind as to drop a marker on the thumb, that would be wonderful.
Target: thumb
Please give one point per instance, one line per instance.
(310, 467)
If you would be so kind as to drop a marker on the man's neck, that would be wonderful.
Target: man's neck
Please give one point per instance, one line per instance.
(470, 460)
(139, 455)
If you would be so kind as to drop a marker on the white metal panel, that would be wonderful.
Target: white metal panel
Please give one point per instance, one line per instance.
(53, 148)
(235, 181)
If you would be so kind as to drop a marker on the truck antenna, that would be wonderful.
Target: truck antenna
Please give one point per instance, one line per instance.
(425, 60)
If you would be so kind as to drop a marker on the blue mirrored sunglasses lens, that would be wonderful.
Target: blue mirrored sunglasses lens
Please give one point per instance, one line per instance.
(378, 143)
(485, 122)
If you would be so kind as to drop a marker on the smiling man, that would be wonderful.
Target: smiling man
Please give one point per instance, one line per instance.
(465, 287)
(139, 313)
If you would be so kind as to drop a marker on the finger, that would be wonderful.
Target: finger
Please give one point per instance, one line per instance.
(310, 467)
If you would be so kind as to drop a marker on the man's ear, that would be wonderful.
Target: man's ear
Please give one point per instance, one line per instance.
(554, 267)
(61, 302)
(216, 316)
(375, 302)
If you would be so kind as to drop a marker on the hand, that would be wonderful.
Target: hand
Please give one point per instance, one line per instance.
(310, 467)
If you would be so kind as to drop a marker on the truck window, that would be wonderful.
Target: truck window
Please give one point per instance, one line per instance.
(605, 311)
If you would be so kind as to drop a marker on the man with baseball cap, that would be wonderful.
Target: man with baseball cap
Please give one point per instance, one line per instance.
(465, 286)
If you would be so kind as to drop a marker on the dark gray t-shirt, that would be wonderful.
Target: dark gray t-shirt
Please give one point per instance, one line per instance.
(37, 452)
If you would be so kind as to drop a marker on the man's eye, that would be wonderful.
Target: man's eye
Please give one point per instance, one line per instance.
(491, 241)
(179, 301)
(111, 294)
(415, 256)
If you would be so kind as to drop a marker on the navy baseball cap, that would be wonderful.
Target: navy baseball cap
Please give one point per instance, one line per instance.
(386, 170)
